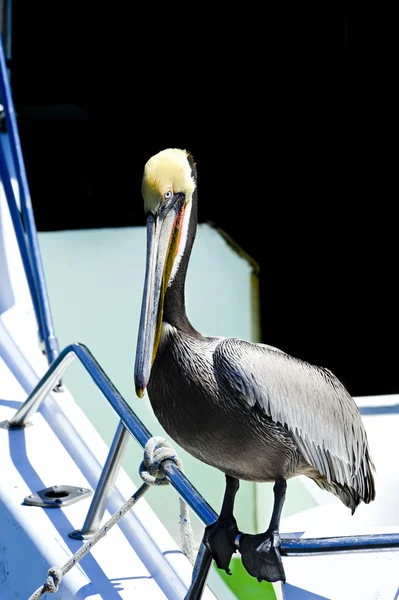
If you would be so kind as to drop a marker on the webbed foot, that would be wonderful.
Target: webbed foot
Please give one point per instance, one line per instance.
(261, 557)
(219, 538)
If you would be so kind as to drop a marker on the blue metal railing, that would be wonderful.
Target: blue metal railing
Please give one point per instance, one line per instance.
(129, 419)
(28, 242)
(289, 545)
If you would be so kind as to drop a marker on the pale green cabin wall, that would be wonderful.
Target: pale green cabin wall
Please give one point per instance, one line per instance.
(95, 281)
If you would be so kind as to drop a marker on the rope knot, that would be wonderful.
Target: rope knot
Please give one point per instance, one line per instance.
(53, 580)
(156, 450)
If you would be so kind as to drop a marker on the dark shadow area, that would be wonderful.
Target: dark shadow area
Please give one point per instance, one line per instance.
(90, 105)
(346, 51)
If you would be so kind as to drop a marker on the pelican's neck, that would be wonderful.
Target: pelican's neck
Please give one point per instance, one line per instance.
(174, 310)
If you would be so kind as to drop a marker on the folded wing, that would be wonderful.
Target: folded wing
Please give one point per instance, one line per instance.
(310, 402)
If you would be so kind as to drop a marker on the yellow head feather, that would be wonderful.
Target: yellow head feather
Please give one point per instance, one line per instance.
(168, 170)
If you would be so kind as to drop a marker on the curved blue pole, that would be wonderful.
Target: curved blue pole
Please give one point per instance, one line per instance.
(128, 418)
(39, 289)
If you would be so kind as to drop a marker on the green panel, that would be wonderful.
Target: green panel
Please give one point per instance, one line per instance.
(244, 586)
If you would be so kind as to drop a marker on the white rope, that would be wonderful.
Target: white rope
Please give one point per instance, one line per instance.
(156, 450)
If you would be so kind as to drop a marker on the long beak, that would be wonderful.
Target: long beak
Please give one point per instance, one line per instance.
(162, 243)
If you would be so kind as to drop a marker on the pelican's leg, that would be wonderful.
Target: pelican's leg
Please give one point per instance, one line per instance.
(260, 553)
(219, 537)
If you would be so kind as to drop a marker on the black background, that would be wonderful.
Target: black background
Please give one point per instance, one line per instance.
(347, 43)
(295, 172)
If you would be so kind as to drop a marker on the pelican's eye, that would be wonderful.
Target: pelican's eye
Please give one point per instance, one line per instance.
(167, 195)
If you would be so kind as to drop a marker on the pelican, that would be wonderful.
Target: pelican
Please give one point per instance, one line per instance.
(250, 410)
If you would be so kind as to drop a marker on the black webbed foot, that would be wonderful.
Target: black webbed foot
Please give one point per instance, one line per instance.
(261, 557)
(219, 538)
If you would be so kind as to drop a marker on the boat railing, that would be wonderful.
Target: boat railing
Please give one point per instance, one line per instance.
(131, 424)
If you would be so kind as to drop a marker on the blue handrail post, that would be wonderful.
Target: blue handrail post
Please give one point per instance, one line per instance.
(36, 279)
(19, 232)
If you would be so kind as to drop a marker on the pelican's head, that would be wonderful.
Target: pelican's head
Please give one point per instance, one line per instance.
(167, 174)
(168, 188)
